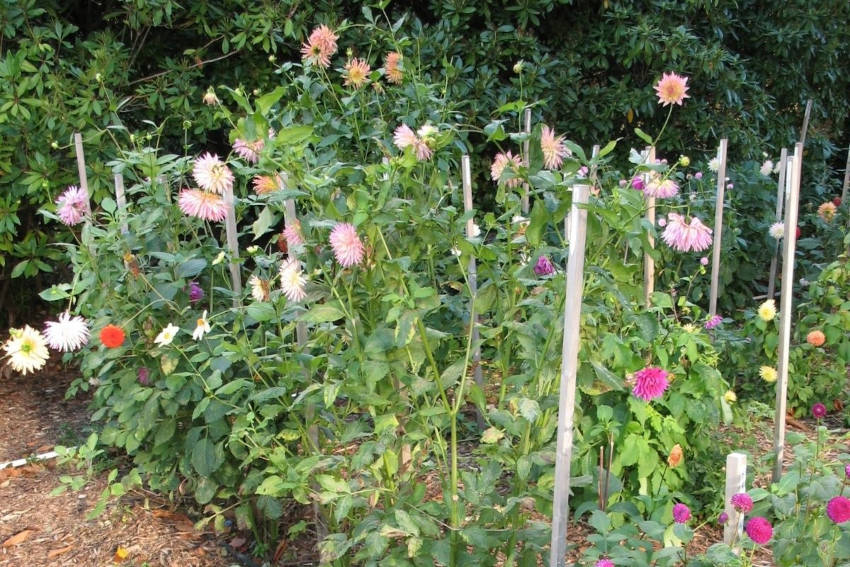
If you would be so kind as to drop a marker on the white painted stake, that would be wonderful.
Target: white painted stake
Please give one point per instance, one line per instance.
(780, 201)
(21, 462)
(718, 227)
(569, 368)
(121, 201)
(785, 308)
(648, 261)
(232, 243)
(525, 158)
(472, 269)
(736, 482)
(806, 122)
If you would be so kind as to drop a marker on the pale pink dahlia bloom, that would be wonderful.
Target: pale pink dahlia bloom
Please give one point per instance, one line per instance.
(67, 333)
(320, 46)
(672, 89)
(264, 184)
(554, 150)
(650, 383)
(684, 236)
(292, 280)
(498, 168)
(73, 205)
(662, 189)
(404, 137)
(347, 247)
(212, 174)
(292, 234)
(202, 204)
(249, 151)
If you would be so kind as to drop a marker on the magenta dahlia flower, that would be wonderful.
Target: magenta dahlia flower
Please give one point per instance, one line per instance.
(742, 502)
(650, 383)
(681, 513)
(347, 247)
(819, 411)
(759, 530)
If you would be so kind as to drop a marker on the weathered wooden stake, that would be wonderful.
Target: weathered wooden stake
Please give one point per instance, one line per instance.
(648, 261)
(718, 228)
(81, 162)
(472, 271)
(806, 117)
(780, 202)
(569, 368)
(121, 201)
(232, 244)
(785, 308)
(736, 482)
(525, 149)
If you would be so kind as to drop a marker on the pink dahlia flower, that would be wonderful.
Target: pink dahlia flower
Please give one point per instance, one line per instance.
(320, 46)
(554, 150)
(686, 236)
(292, 280)
(501, 161)
(392, 68)
(672, 89)
(714, 321)
(73, 205)
(212, 174)
(838, 509)
(662, 189)
(742, 502)
(347, 247)
(202, 204)
(249, 151)
(356, 73)
(681, 513)
(650, 383)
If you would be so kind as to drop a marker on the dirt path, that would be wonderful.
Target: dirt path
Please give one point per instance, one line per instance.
(37, 529)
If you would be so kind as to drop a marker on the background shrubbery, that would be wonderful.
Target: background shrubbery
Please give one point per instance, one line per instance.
(122, 72)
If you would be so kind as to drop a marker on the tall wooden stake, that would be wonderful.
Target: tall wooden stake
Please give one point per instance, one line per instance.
(648, 261)
(785, 308)
(569, 368)
(780, 201)
(718, 228)
(525, 158)
(81, 163)
(806, 117)
(232, 244)
(472, 275)
(736, 482)
(121, 201)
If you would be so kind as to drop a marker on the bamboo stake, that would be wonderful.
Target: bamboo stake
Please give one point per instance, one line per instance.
(569, 369)
(472, 276)
(785, 307)
(121, 201)
(232, 244)
(780, 201)
(718, 227)
(736, 482)
(525, 159)
(648, 261)
(806, 122)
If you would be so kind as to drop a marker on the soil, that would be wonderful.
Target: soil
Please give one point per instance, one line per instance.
(143, 529)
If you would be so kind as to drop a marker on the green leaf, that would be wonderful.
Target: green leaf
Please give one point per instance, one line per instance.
(332, 484)
(191, 268)
(323, 313)
(205, 490)
(56, 292)
(265, 102)
(206, 457)
(266, 219)
(232, 387)
(529, 409)
(492, 435)
(643, 136)
(537, 223)
(261, 311)
(385, 422)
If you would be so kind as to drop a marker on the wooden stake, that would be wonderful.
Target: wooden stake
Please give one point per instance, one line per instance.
(232, 244)
(472, 273)
(780, 201)
(81, 163)
(121, 201)
(648, 261)
(806, 122)
(718, 227)
(569, 369)
(785, 308)
(525, 159)
(736, 482)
